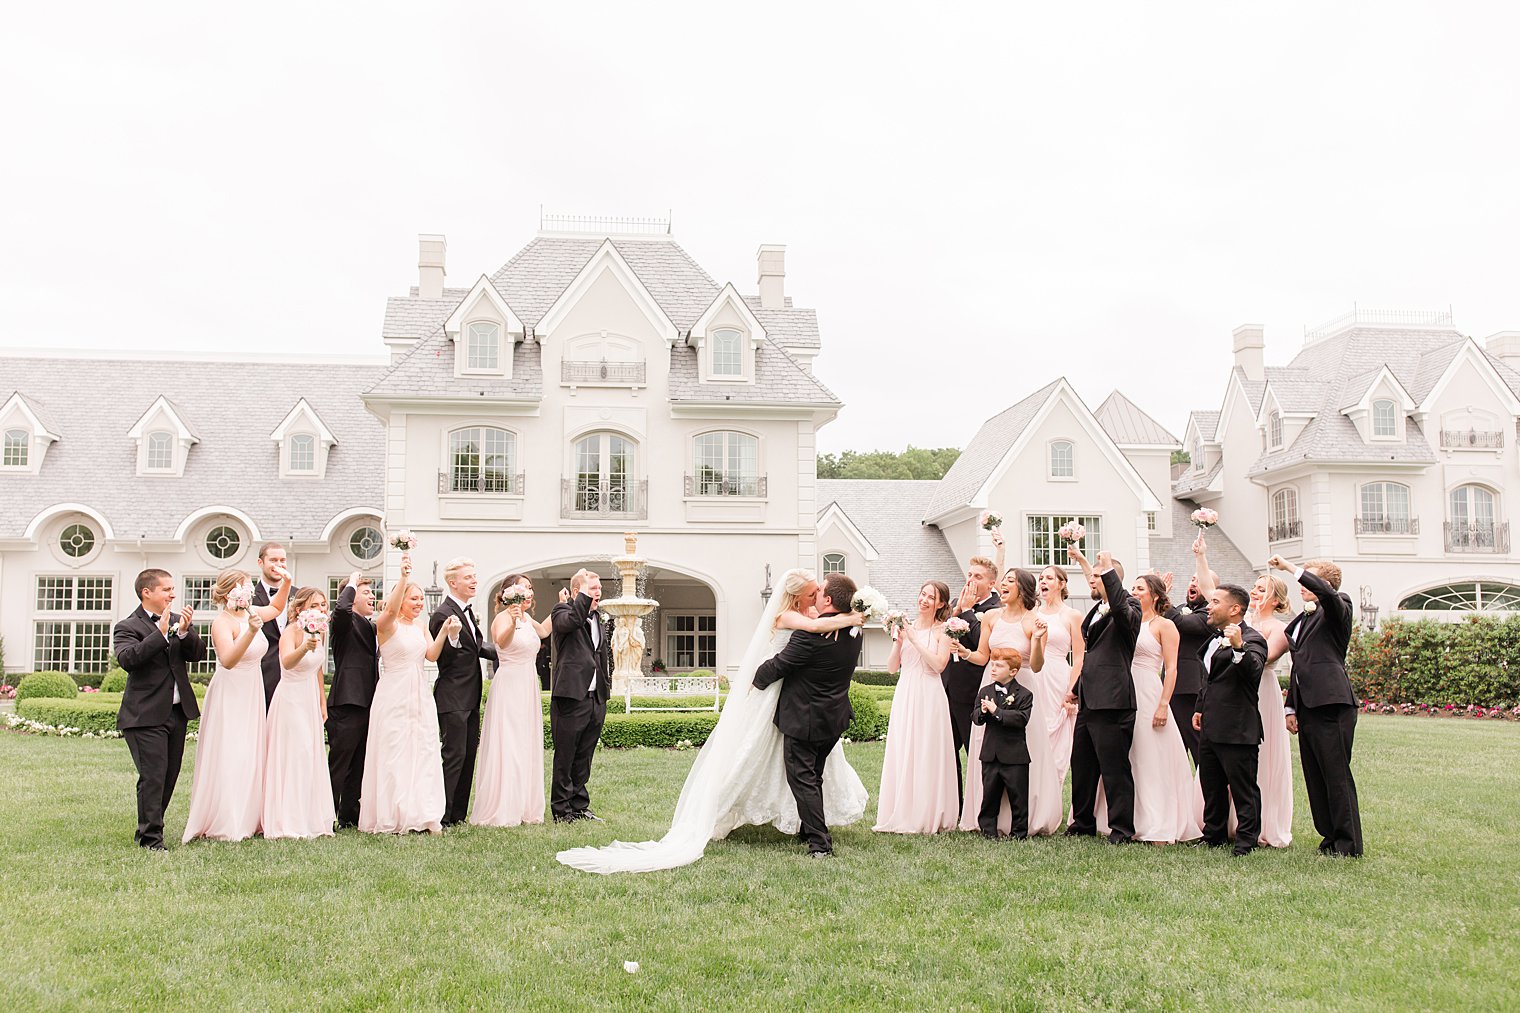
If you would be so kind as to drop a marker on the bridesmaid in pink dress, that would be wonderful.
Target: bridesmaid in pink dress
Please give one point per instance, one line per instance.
(1164, 812)
(1057, 632)
(227, 789)
(1010, 627)
(509, 790)
(918, 793)
(298, 800)
(403, 758)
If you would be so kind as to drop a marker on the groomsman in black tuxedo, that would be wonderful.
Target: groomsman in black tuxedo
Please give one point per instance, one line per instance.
(813, 709)
(582, 682)
(1228, 720)
(962, 678)
(155, 644)
(1193, 634)
(1105, 697)
(356, 670)
(273, 571)
(458, 689)
(1321, 707)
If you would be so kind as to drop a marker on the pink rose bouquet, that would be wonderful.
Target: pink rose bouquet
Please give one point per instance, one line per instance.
(1204, 518)
(1072, 533)
(312, 621)
(956, 627)
(404, 540)
(991, 520)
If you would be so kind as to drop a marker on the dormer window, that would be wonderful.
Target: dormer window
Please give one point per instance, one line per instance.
(1062, 459)
(17, 442)
(159, 452)
(1197, 455)
(1274, 430)
(1384, 419)
(727, 353)
(483, 348)
(303, 454)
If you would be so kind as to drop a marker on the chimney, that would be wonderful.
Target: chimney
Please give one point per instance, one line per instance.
(771, 261)
(430, 266)
(1504, 346)
(1250, 341)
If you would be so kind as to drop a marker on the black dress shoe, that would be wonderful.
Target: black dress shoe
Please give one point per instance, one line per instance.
(1074, 832)
(566, 817)
(820, 854)
(587, 814)
(155, 847)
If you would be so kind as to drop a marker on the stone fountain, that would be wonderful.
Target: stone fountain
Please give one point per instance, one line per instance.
(629, 611)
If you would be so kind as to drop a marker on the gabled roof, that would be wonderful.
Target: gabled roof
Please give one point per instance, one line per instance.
(1191, 480)
(42, 419)
(302, 409)
(427, 372)
(1296, 392)
(729, 296)
(1206, 423)
(1253, 389)
(1128, 426)
(176, 418)
(608, 259)
(886, 513)
(986, 449)
(483, 289)
(1356, 389)
(779, 379)
(1332, 437)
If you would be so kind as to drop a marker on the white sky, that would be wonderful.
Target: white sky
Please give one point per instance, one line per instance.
(973, 201)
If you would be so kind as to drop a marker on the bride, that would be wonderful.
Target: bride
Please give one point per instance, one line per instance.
(738, 777)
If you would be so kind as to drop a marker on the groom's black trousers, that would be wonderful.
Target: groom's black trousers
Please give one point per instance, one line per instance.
(804, 775)
(574, 727)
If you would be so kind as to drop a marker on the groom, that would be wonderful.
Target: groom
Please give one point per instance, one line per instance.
(814, 707)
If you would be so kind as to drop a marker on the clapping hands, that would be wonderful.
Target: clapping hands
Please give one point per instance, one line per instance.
(989, 705)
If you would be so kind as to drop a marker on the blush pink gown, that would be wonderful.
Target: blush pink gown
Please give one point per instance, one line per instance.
(1051, 681)
(227, 788)
(1044, 785)
(509, 790)
(1163, 776)
(298, 799)
(918, 791)
(403, 757)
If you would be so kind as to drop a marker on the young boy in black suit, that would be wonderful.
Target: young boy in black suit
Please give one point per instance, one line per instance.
(1003, 708)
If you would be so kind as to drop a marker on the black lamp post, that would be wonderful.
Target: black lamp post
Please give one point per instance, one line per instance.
(433, 592)
(765, 592)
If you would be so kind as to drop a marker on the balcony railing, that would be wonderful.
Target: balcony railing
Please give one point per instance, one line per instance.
(473, 481)
(1481, 537)
(1285, 530)
(589, 501)
(1457, 439)
(1387, 525)
(725, 485)
(600, 371)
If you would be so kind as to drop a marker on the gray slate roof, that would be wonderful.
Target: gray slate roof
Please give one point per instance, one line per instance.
(778, 377)
(1191, 480)
(1173, 552)
(981, 456)
(232, 406)
(1207, 423)
(909, 552)
(427, 371)
(1127, 425)
(43, 413)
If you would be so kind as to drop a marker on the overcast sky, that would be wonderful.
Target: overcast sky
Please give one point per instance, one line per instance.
(974, 202)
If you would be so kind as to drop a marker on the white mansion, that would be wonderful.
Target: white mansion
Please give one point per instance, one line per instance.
(603, 382)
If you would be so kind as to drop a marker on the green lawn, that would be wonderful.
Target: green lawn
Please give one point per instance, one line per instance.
(487, 919)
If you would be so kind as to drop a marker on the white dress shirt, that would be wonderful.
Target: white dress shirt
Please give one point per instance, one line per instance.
(281, 619)
(464, 608)
(180, 633)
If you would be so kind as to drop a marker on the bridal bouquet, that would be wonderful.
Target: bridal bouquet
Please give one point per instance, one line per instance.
(240, 598)
(404, 540)
(1072, 533)
(1204, 518)
(956, 627)
(312, 621)
(991, 520)
(868, 602)
(894, 621)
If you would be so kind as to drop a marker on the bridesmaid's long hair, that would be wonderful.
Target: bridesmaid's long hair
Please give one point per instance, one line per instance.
(1025, 584)
(226, 582)
(942, 597)
(302, 600)
(1159, 601)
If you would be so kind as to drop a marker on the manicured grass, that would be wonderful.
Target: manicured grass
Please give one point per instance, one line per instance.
(487, 919)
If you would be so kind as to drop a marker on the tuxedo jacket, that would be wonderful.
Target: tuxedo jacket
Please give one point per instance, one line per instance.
(459, 681)
(1193, 636)
(576, 659)
(356, 666)
(959, 670)
(1106, 682)
(270, 663)
(1004, 740)
(1318, 641)
(1228, 700)
(154, 666)
(815, 671)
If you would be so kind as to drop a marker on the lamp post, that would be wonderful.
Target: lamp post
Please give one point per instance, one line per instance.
(433, 592)
(765, 592)
(1368, 606)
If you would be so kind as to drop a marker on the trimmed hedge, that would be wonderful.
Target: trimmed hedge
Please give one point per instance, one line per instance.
(53, 685)
(869, 722)
(91, 679)
(88, 714)
(662, 731)
(115, 681)
(1426, 662)
(871, 677)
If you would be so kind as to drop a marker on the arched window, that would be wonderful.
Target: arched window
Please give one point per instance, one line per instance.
(1062, 459)
(833, 562)
(366, 543)
(727, 353)
(76, 541)
(483, 459)
(1285, 522)
(1465, 596)
(1274, 430)
(160, 451)
(223, 542)
(1384, 418)
(483, 348)
(728, 464)
(1385, 510)
(1472, 521)
(303, 453)
(17, 442)
(1198, 455)
(604, 474)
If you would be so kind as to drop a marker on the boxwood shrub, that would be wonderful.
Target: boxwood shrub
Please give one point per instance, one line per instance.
(871, 677)
(1426, 662)
(55, 685)
(869, 722)
(115, 681)
(83, 679)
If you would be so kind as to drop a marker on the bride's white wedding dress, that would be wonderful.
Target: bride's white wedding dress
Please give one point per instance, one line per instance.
(738, 779)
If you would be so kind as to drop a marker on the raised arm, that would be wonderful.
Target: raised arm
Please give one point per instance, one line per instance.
(999, 554)
(1201, 572)
(575, 615)
(385, 625)
(794, 620)
(230, 648)
(295, 645)
(504, 626)
(1122, 608)
(276, 605)
(342, 618)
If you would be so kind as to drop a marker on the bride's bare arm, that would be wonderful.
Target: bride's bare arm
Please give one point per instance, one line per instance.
(793, 620)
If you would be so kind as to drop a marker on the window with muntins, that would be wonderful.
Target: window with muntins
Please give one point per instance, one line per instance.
(1384, 419)
(1274, 430)
(303, 453)
(223, 542)
(1062, 459)
(1046, 547)
(691, 641)
(76, 541)
(727, 353)
(604, 474)
(1466, 596)
(17, 442)
(73, 630)
(1385, 509)
(483, 348)
(482, 459)
(160, 453)
(833, 562)
(728, 464)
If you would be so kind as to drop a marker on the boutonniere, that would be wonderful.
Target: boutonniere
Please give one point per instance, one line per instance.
(1222, 644)
(1102, 609)
(1310, 607)
(602, 617)
(1184, 611)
